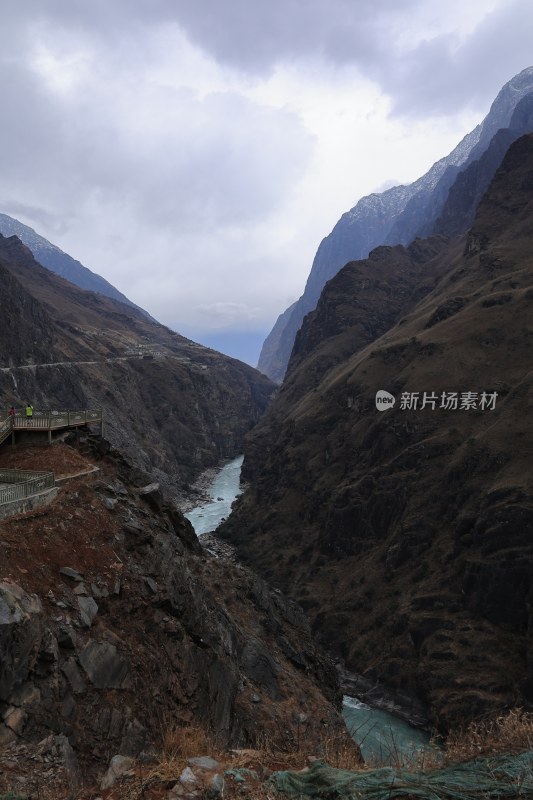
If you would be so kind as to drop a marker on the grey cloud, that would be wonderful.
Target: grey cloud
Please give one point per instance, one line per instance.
(255, 36)
(42, 217)
(217, 160)
(231, 165)
(127, 174)
(438, 76)
(441, 76)
(250, 36)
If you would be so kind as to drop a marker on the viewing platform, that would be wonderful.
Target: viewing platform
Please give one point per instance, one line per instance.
(47, 422)
(22, 490)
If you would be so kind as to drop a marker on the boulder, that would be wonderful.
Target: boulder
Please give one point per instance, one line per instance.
(104, 665)
(135, 535)
(215, 787)
(88, 610)
(204, 762)
(66, 637)
(21, 633)
(259, 666)
(188, 776)
(118, 767)
(153, 496)
(68, 572)
(70, 670)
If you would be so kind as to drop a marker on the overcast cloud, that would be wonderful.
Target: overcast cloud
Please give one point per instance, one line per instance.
(195, 152)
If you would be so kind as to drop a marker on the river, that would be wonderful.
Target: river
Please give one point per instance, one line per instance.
(383, 738)
(223, 491)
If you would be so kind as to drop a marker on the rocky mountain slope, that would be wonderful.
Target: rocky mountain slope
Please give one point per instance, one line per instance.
(406, 534)
(59, 262)
(402, 213)
(117, 628)
(174, 407)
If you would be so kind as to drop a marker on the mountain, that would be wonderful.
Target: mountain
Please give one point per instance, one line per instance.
(120, 633)
(173, 406)
(459, 210)
(118, 630)
(406, 534)
(396, 216)
(59, 262)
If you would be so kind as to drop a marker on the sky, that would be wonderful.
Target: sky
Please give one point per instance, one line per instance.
(195, 152)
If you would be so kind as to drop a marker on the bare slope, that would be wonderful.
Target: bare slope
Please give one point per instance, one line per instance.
(407, 534)
(179, 409)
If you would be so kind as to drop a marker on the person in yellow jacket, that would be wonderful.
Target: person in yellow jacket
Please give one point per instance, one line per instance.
(29, 413)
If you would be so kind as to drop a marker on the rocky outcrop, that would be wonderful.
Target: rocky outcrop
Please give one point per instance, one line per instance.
(21, 635)
(116, 626)
(406, 534)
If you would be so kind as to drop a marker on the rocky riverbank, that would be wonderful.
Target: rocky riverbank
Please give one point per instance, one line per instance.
(197, 493)
(375, 695)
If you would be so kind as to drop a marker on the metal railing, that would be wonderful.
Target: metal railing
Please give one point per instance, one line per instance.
(48, 420)
(6, 427)
(56, 419)
(23, 483)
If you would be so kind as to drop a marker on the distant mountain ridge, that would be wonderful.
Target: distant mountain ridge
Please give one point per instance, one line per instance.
(56, 260)
(178, 410)
(396, 216)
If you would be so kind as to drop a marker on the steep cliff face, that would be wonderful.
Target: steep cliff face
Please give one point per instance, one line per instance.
(359, 306)
(399, 215)
(458, 212)
(27, 326)
(175, 407)
(406, 533)
(116, 627)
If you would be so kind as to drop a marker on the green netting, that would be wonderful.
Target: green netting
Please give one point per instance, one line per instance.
(487, 778)
(12, 796)
(238, 774)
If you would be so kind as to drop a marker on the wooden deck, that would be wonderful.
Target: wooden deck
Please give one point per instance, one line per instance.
(48, 421)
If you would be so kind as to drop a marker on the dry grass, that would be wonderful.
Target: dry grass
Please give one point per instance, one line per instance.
(340, 753)
(188, 742)
(179, 745)
(507, 733)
